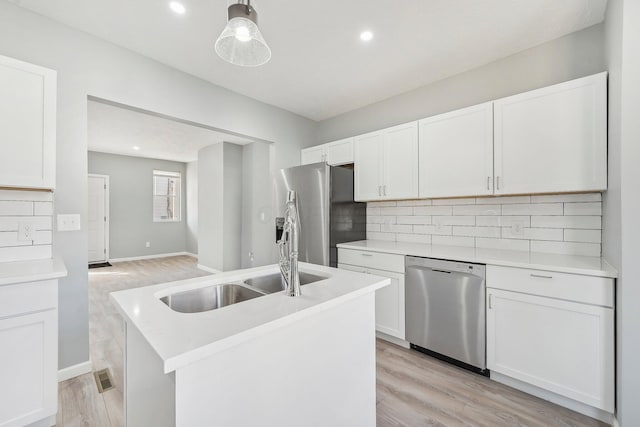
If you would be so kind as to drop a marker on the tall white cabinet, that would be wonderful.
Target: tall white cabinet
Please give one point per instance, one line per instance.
(386, 164)
(552, 139)
(456, 153)
(27, 125)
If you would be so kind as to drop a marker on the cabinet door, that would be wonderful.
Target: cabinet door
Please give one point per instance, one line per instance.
(389, 302)
(27, 125)
(560, 346)
(28, 367)
(340, 152)
(368, 166)
(553, 139)
(312, 155)
(456, 153)
(400, 173)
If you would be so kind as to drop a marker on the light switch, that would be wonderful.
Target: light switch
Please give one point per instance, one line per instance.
(69, 222)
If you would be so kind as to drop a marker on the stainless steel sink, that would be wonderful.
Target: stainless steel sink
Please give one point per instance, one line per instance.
(209, 298)
(274, 282)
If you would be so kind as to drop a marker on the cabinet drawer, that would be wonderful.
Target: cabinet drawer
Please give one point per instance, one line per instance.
(377, 260)
(570, 287)
(28, 297)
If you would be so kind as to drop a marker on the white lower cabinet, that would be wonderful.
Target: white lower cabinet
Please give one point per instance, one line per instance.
(561, 346)
(389, 300)
(29, 355)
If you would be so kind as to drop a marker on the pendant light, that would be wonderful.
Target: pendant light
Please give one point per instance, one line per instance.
(241, 42)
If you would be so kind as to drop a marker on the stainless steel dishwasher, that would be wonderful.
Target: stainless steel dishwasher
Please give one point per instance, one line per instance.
(445, 311)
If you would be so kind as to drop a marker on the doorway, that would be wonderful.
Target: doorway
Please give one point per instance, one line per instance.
(98, 218)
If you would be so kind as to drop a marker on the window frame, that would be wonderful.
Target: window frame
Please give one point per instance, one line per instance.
(166, 174)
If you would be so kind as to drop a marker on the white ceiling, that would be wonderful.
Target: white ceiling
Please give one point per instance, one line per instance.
(320, 68)
(117, 130)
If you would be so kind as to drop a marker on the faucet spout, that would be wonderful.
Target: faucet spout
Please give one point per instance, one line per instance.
(288, 246)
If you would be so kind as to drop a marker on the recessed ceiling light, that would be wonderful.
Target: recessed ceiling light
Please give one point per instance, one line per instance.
(135, 147)
(366, 36)
(177, 7)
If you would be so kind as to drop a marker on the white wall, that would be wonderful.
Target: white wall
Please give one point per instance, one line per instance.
(89, 66)
(575, 55)
(192, 207)
(232, 204)
(622, 202)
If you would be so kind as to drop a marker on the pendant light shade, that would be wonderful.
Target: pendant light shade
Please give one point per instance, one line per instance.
(241, 42)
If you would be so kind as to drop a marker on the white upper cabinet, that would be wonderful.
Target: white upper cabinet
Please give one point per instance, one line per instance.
(400, 162)
(456, 153)
(27, 125)
(368, 166)
(386, 164)
(552, 139)
(334, 153)
(312, 155)
(339, 152)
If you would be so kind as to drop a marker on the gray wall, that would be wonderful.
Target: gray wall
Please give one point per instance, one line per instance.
(192, 207)
(575, 55)
(621, 237)
(232, 203)
(86, 66)
(258, 235)
(220, 206)
(131, 203)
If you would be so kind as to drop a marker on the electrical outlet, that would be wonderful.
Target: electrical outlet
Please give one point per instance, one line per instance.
(26, 231)
(517, 229)
(148, 244)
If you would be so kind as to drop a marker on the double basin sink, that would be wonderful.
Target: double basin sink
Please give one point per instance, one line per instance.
(217, 296)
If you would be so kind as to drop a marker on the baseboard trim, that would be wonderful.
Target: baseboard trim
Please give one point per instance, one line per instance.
(138, 258)
(210, 270)
(75, 371)
(393, 340)
(574, 405)
(192, 255)
(615, 422)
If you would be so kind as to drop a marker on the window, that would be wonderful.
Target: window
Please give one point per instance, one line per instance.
(167, 190)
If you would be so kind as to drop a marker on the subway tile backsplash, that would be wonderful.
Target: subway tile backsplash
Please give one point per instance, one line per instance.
(563, 224)
(34, 208)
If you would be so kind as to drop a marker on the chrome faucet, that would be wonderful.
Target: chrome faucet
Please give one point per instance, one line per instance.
(288, 245)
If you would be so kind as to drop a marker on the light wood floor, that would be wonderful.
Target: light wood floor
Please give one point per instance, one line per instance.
(412, 389)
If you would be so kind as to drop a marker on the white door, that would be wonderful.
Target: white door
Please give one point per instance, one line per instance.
(368, 166)
(560, 346)
(312, 155)
(389, 301)
(98, 223)
(456, 153)
(27, 125)
(553, 139)
(400, 170)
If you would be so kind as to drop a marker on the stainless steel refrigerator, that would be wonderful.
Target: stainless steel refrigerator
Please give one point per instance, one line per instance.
(328, 214)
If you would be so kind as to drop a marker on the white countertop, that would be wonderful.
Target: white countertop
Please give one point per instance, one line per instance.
(586, 265)
(183, 338)
(36, 270)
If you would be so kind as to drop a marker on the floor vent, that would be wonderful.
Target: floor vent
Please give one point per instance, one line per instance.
(103, 380)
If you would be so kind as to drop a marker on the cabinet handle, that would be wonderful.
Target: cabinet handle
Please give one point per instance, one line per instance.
(379, 190)
(384, 190)
(539, 276)
(488, 185)
(490, 301)
(498, 183)
(366, 254)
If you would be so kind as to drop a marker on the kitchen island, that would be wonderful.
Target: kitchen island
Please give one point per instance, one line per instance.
(271, 360)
